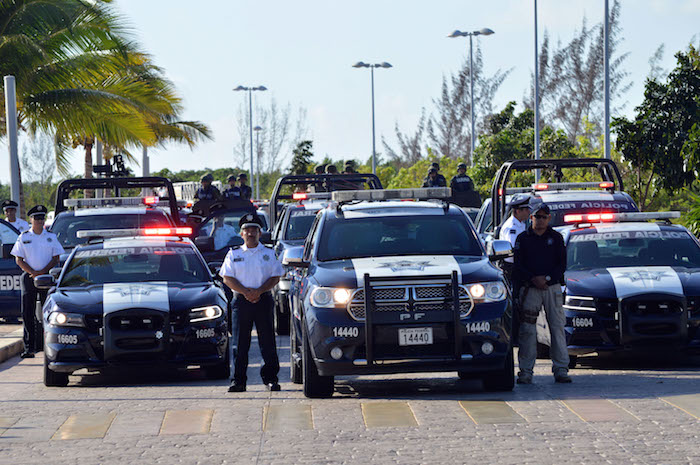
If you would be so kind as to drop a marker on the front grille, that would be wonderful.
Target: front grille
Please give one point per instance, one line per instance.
(136, 323)
(138, 343)
(410, 297)
(606, 307)
(93, 323)
(654, 307)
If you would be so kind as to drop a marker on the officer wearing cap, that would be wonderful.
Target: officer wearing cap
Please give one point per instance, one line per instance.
(461, 182)
(9, 207)
(207, 191)
(246, 190)
(320, 169)
(433, 179)
(349, 167)
(233, 191)
(252, 270)
(331, 169)
(539, 265)
(513, 226)
(36, 252)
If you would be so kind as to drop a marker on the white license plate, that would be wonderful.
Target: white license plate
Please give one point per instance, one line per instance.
(415, 336)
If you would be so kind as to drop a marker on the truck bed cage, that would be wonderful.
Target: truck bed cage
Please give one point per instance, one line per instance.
(607, 169)
(153, 182)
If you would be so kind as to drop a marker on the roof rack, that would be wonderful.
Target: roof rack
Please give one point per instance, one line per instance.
(423, 193)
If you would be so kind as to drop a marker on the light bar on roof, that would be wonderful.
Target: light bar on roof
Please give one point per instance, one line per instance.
(427, 193)
(135, 232)
(515, 190)
(619, 217)
(111, 202)
(311, 195)
(557, 186)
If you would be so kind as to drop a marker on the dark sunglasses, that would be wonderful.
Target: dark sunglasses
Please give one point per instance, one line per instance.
(39, 217)
(540, 217)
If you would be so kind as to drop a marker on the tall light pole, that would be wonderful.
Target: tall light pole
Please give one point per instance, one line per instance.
(383, 64)
(606, 62)
(537, 100)
(257, 130)
(483, 32)
(11, 121)
(250, 124)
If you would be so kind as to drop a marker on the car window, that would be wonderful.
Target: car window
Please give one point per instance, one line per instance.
(299, 223)
(133, 265)
(8, 235)
(66, 227)
(224, 228)
(310, 242)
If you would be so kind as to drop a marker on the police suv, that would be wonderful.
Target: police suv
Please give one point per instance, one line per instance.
(10, 274)
(391, 286)
(149, 299)
(631, 285)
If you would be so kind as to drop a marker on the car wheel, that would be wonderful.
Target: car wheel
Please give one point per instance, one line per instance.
(53, 378)
(294, 356)
(315, 385)
(503, 380)
(282, 318)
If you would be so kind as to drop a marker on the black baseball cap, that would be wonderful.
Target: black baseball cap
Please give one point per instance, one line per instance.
(540, 207)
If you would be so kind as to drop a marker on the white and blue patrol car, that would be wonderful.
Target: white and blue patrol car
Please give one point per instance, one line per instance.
(631, 285)
(390, 286)
(143, 300)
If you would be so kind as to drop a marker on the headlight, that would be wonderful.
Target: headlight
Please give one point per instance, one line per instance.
(66, 319)
(329, 297)
(487, 292)
(205, 313)
(581, 304)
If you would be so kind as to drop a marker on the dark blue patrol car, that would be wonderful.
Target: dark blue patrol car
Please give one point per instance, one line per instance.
(10, 274)
(391, 286)
(134, 301)
(631, 285)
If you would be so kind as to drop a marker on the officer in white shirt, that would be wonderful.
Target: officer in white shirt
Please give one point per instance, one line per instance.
(9, 207)
(36, 252)
(513, 226)
(222, 233)
(252, 270)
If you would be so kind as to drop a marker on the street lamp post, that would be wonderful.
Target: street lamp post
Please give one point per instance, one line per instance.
(361, 64)
(250, 124)
(606, 61)
(257, 130)
(483, 32)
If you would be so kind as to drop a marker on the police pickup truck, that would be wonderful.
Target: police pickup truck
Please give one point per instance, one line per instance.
(391, 286)
(631, 285)
(147, 300)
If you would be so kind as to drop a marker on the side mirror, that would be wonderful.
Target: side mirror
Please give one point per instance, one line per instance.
(266, 237)
(44, 281)
(295, 262)
(204, 243)
(498, 250)
(55, 272)
(6, 249)
(214, 267)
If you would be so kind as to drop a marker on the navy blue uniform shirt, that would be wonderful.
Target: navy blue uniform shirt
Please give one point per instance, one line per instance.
(543, 255)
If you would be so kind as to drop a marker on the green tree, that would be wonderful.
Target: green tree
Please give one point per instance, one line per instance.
(301, 159)
(662, 142)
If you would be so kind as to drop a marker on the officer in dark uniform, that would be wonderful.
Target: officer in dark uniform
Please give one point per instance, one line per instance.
(320, 169)
(252, 270)
(207, 191)
(36, 252)
(246, 190)
(331, 169)
(233, 191)
(539, 265)
(349, 167)
(461, 182)
(433, 179)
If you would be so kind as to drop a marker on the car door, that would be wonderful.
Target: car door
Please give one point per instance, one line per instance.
(10, 274)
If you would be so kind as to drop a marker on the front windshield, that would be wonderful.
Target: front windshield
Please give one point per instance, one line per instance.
(223, 228)
(134, 265)
(397, 235)
(66, 227)
(299, 224)
(632, 248)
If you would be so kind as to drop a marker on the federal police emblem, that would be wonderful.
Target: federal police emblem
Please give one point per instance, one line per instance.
(266, 257)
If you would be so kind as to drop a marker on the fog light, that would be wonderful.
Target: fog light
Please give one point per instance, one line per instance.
(337, 353)
(487, 348)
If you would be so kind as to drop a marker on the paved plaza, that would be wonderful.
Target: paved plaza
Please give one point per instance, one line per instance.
(633, 414)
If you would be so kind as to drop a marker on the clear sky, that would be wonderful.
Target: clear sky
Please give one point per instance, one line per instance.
(302, 51)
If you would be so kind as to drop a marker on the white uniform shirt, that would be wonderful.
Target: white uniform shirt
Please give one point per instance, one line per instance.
(223, 235)
(37, 249)
(251, 267)
(510, 231)
(20, 224)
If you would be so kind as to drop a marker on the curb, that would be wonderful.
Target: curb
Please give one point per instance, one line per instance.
(10, 345)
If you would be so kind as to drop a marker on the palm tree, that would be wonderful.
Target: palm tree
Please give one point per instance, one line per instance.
(80, 78)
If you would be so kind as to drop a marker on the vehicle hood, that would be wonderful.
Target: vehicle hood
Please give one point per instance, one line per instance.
(351, 272)
(623, 282)
(163, 296)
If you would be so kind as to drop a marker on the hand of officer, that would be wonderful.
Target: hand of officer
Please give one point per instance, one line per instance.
(252, 295)
(540, 282)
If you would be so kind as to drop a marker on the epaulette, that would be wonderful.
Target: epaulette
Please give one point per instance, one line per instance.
(235, 247)
(269, 246)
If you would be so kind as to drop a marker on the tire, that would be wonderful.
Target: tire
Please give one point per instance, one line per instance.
(54, 378)
(315, 385)
(295, 371)
(282, 318)
(503, 380)
(573, 359)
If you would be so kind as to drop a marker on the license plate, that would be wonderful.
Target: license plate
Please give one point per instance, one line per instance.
(415, 336)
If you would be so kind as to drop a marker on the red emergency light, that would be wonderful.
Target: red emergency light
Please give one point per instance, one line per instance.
(589, 217)
(182, 231)
(299, 196)
(151, 200)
